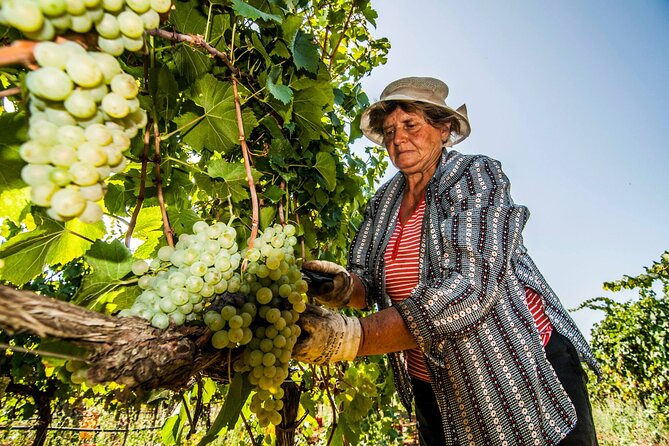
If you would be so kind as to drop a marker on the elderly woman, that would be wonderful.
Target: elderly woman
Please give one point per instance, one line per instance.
(476, 337)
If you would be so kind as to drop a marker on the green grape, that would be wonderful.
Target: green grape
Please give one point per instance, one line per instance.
(68, 203)
(61, 23)
(133, 44)
(81, 23)
(139, 6)
(80, 104)
(194, 284)
(214, 321)
(23, 15)
(41, 193)
(49, 83)
(220, 339)
(52, 8)
(60, 176)
(83, 70)
(94, 192)
(84, 174)
(75, 7)
(161, 6)
(114, 47)
(177, 317)
(108, 27)
(99, 134)
(92, 213)
(227, 312)
(235, 321)
(115, 105)
(130, 24)
(113, 5)
(160, 320)
(35, 152)
(264, 295)
(34, 174)
(236, 334)
(139, 267)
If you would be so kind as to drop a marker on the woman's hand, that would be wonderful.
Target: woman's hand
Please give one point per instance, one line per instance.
(335, 293)
(327, 336)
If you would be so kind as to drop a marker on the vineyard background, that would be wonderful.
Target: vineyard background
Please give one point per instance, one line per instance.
(253, 112)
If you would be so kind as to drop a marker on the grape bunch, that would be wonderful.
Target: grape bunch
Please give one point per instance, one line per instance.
(83, 113)
(120, 24)
(179, 284)
(182, 284)
(274, 285)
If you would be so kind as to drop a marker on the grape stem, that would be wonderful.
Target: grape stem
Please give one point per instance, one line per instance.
(159, 184)
(247, 165)
(18, 53)
(198, 41)
(10, 92)
(142, 187)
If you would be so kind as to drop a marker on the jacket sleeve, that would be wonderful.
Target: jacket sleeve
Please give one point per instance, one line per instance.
(480, 228)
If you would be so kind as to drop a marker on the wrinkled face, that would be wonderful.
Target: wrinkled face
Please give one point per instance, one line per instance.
(414, 145)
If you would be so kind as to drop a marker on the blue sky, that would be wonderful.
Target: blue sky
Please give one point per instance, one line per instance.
(572, 97)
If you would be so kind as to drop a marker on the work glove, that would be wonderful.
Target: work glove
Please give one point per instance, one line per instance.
(326, 336)
(329, 284)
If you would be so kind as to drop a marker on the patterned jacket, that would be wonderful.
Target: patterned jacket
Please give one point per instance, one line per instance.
(490, 375)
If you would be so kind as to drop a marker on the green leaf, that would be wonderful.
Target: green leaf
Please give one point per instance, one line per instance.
(245, 10)
(109, 263)
(117, 198)
(274, 193)
(238, 392)
(172, 429)
(149, 229)
(234, 177)
(312, 100)
(266, 216)
(305, 52)
(216, 128)
(182, 221)
(187, 17)
(28, 254)
(282, 93)
(192, 63)
(325, 164)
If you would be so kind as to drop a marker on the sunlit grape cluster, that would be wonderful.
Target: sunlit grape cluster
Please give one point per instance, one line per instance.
(120, 24)
(83, 113)
(76, 372)
(274, 284)
(182, 285)
(178, 284)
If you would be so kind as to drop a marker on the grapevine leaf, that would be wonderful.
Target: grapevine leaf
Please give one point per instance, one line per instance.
(312, 99)
(182, 221)
(172, 429)
(117, 198)
(149, 229)
(238, 393)
(217, 128)
(188, 19)
(266, 216)
(109, 263)
(13, 202)
(325, 164)
(305, 52)
(191, 63)
(27, 254)
(163, 91)
(282, 93)
(234, 177)
(245, 10)
(273, 193)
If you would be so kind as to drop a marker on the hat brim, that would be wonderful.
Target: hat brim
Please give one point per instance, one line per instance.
(460, 114)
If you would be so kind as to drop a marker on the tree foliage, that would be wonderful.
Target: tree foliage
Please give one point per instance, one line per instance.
(631, 341)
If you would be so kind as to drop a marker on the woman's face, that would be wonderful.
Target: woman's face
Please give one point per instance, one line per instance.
(414, 145)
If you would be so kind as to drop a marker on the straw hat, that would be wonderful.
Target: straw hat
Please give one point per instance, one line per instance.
(417, 89)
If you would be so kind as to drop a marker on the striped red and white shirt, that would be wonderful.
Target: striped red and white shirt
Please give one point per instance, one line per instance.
(402, 273)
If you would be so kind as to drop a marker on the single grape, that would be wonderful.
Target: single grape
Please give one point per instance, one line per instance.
(108, 27)
(68, 203)
(81, 23)
(94, 192)
(133, 44)
(23, 15)
(139, 267)
(126, 86)
(130, 24)
(113, 5)
(41, 193)
(160, 320)
(49, 83)
(84, 174)
(52, 7)
(75, 7)
(50, 54)
(61, 23)
(81, 104)
(34, 174)
(115, 105)
(139, 6)
(83, 70)
(161, 6)
(220, 339)
(151, 19)
(60, 176)
(99, 134)
(114, 47)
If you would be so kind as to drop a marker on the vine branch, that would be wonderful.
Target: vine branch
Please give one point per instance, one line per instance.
(159, 184)
(142, 187)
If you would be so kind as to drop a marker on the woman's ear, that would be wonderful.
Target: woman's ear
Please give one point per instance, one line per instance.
(445, 131)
